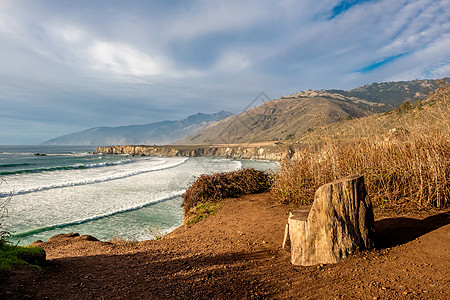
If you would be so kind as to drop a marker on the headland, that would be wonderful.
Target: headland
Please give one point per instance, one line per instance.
(274, 151)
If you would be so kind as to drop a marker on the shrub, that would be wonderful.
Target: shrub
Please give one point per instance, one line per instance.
(214, 187)
(404, 108)
(156, 231)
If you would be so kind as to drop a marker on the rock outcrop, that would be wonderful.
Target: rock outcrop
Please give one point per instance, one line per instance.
(273, 152)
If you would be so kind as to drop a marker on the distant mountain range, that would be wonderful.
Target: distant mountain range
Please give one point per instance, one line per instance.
(164, 132)
(289, 117)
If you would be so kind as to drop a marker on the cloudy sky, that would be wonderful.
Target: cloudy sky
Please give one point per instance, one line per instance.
(69, 65)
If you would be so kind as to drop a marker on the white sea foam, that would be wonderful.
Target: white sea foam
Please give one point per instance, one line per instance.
(97, 200)
(94, 217)
(35, 182)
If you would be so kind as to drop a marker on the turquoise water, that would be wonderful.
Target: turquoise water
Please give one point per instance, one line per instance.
(73, 190)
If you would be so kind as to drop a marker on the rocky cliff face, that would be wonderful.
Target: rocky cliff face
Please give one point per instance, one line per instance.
(274, 152)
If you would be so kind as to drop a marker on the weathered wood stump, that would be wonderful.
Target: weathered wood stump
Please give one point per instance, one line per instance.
(339, 222)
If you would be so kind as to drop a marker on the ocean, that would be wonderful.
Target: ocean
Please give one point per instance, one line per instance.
(70, 189)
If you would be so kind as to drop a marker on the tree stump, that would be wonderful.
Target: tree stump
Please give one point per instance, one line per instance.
(339, 222)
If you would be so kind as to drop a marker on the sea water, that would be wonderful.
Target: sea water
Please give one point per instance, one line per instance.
(70, 189)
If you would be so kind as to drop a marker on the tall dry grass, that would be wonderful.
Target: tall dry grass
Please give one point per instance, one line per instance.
(4, 233)
(404, 156)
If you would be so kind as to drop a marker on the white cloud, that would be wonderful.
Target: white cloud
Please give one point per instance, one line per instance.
(123, 59)
(73, 52)
(433, 61)
(415, 25)
(71, 34)
(5, 12)
(4, 26)
(232, 62)
(441, 71)
(209, 17)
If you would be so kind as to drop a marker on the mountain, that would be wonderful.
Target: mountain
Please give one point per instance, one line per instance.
(431, 114)
(393, 94)
(289, 117)
(164, 132)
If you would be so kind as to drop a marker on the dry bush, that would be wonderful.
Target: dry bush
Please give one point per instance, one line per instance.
(214, 187)
(4, 233)
(403, 165)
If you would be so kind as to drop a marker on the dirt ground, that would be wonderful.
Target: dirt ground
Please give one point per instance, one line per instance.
(237, 254)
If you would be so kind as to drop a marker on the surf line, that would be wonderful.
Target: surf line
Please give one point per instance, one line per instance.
(94, 181)
(63, 168)
(83, 221)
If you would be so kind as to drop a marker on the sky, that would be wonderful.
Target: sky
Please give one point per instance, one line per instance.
(69, 65)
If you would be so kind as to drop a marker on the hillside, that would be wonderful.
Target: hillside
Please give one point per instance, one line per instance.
(393, 94)
(429, 114)
(164, 132)
(404, 155)
(289, 117)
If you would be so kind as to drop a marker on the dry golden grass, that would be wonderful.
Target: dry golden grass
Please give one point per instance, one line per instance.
(404, 156)
(4, 233)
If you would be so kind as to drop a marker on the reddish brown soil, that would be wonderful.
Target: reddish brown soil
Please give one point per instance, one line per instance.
(237, 254)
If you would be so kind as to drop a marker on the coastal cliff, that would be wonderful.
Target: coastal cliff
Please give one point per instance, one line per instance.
(272, 151)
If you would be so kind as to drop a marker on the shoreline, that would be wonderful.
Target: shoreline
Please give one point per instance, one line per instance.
(263, 151)
(154, 207)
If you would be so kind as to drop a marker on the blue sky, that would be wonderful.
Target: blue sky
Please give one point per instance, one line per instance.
(70, 65)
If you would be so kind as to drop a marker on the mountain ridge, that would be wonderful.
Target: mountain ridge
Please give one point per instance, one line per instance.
(428, 115)
(289, 117)
(284, 119)
(162, 132)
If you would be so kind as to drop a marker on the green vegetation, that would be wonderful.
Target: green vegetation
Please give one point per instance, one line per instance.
(405, 157)
(203, 210)
(290, 136)
(16, 255)
(156, 231)
(394, 93)
(212, 188)
(404, 108)
(11, 255)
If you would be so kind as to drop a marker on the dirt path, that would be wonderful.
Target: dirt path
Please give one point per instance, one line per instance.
(237, 254)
